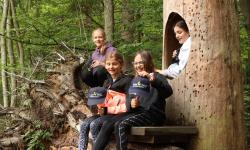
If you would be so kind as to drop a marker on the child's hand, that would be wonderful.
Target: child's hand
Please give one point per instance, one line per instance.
(150, 76)
(96, 63)
(135, 102)
(101, 111)
(174, 53)
(143, 73)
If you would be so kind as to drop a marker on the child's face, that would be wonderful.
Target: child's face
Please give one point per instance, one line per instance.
(139, 64)
(113, 67)
(180, 34)
(98, 38)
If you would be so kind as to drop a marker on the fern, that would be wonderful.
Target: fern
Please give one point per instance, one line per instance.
(36, 138)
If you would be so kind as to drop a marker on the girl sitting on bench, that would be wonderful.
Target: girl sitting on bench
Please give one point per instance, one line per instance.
(145, 102)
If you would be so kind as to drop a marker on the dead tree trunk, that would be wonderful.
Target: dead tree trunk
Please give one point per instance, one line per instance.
(59, 93)
(208, 93)
(55, 103)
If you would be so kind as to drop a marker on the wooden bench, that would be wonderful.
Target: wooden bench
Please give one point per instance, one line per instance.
(162, 134)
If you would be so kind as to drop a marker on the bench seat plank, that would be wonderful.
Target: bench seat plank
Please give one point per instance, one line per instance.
(170, 139)
(164, 130)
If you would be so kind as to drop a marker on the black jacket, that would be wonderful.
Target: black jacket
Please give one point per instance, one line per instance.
(121, 84)
(155, 102)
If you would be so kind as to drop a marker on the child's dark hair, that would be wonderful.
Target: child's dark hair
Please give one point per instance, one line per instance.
(116, 56)
(182, 24)
(147, 59)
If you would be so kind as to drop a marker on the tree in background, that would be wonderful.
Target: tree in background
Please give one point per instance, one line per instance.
(9, 38)
(41, 29)
(12, 62)
(4, 54)
(109, 19)
(127, 19)
(19, 46)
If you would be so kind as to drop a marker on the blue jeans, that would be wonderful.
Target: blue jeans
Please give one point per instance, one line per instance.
(92, 124)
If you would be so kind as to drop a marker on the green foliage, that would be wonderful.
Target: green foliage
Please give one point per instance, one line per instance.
(247, 107)
(37, 137)
(244, 45)
(44, 25)
(148, 28)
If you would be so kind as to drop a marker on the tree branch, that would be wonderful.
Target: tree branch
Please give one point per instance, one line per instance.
(26, 79)
(38, 44)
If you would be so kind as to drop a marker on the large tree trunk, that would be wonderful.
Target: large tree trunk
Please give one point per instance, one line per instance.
(245, 9)
(208, 93)
(109, 19)
(3, 54)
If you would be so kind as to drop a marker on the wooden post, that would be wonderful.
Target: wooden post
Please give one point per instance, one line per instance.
(208, 93)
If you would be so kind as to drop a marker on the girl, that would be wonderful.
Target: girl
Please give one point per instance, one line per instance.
(180, 56)
(116, 81)
(148, 109)
(94, 73)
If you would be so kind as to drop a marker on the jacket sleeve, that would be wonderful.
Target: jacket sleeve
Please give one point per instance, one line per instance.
(162, 85)
(128, 101)
(175, 69)
(89, 62)
(128, 98)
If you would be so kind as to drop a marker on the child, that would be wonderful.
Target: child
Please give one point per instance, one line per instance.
(96, 96)
(94, 73)
(146, 103)
(180, 56)
(117, 81)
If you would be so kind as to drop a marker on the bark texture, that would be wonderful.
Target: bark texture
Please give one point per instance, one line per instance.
(56, 103)
(109, 19)
(208, 93)
(4, 54)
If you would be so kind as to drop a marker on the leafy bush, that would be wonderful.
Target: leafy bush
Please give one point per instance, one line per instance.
(36, 138)
(247, 108)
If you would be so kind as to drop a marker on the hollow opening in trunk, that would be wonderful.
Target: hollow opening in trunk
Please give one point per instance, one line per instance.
(170, 42)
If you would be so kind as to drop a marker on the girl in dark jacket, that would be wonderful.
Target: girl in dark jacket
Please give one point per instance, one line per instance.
(117, 81)
(145, 101)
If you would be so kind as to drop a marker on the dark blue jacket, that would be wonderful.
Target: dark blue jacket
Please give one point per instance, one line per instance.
(155, 102)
